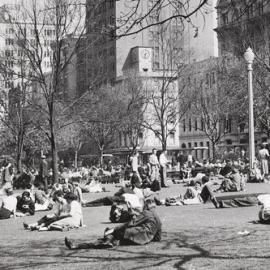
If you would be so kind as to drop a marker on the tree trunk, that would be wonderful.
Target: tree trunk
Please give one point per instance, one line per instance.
(54, 160)
(53, 152)
(76, 159)
(101, 157)
(19, 151)
(214, 150)
(164, 144)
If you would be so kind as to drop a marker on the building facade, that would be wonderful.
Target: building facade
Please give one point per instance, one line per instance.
(243, 24)
(106, 55)
(17, 38)
(140, 63)
(199, 78)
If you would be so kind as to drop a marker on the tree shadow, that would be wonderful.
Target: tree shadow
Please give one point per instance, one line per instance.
(175, 250)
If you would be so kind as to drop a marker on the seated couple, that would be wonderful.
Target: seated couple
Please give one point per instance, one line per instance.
(67, 215)
(141, 230)
(232, 182)
(16, 206)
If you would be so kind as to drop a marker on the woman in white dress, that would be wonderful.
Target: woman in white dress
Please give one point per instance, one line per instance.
(73, 219)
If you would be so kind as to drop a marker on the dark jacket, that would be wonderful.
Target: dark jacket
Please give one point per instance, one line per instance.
(143, 229)
(25, 206)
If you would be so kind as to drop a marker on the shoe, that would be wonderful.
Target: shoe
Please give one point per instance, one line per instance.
(69, 243)
(108, 242)
(157, 201)
(165, 186)
(215, 202)
(26, 226)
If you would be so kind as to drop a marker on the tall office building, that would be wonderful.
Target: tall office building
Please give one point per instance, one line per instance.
(105, 55)
(16, 27)
(200, 39)
(242, 24)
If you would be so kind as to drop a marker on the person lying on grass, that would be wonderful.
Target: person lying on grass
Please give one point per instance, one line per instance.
(141, 230)
(124, 194)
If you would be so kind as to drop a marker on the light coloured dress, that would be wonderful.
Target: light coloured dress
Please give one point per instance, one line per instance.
(75, 219)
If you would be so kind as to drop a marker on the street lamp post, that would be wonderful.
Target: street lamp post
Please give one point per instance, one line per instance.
(249, 57)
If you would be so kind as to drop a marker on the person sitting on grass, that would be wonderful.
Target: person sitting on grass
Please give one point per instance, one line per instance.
(141, 230)
(77, 189)
(42, 202)
(61, 211)
(232, 182)
(8, 204)
(25, 205)
(192, 195)
(74, 219)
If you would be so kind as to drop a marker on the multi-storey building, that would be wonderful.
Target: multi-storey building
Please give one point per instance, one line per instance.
(17, 28)
(106, 56)
(139, 62)
(243, 24)
(199, 78)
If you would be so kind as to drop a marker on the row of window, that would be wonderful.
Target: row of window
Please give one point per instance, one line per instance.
(188, 126)
(47, 32)
(33, 42)
(199, 153)
(250, 10)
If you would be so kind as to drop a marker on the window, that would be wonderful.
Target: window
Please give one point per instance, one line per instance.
(9, 63)
(184, 125)
(202, 124)
(8, 53)
(9, 30)
(213, 78)
(207, 79)
(195, 124)
(172, 135)
(224, 18)
(9, 41)
(189, 145)
(189, 124)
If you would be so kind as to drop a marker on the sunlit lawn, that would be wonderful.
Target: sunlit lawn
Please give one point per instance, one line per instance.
(195, 237)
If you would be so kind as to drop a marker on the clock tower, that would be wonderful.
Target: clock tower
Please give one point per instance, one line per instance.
(140, 60)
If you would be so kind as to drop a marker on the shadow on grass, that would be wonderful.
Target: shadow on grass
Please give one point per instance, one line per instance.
(176, 250)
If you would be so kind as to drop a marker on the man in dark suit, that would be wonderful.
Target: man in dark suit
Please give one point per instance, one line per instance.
(43, 172)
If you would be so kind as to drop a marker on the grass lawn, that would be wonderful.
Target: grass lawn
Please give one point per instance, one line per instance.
(194, 237)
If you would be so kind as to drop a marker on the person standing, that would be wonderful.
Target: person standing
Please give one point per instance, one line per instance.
(7, 173)
(43, 172)
(181, 159)
(154, 164)
(135, 161)
(264, 156)
(163, 168)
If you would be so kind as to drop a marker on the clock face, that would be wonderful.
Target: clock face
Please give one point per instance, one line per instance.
(145, 54)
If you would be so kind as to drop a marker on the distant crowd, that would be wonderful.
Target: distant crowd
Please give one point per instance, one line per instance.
(134, 203)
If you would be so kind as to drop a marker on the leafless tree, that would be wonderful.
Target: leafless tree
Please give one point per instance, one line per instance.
(165, 102)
